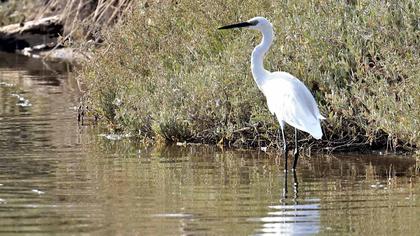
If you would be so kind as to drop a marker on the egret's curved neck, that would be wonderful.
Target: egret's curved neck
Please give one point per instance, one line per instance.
(257, 57)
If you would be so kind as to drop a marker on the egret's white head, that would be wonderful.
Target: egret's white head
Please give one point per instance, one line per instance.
(258, 23)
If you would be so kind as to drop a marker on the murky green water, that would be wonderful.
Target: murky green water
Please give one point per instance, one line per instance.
(58, 177)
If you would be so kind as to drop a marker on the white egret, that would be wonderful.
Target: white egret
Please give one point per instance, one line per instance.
(287, 97)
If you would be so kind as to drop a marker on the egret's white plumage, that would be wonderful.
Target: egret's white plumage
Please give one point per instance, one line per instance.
(283, 91)
(287, 97)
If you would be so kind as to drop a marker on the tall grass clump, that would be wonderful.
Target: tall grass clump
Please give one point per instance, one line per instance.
(167, 72)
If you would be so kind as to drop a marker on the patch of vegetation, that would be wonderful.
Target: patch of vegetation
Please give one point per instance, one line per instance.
(13, 11)
(166, 72)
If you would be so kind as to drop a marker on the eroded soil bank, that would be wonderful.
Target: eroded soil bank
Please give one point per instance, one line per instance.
(56, 29)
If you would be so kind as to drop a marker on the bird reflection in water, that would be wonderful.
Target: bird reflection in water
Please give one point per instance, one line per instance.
(291, 216)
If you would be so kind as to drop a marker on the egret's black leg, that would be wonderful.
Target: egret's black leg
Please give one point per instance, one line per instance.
(285, 163)
(285, 150)
(296, 153)
(285, 186)
(295, 185)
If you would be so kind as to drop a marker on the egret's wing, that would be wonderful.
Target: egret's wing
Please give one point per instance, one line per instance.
(291, 102)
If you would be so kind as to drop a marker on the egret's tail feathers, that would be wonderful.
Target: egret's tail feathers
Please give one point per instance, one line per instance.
(314, 128)
(317, 134)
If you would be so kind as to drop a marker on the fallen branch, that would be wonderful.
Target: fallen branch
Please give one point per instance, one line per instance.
(44, 31)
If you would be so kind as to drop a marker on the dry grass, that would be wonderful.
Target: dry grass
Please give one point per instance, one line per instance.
(83, 20)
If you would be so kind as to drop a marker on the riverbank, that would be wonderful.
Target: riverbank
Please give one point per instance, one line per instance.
(57, 30)
(165, 73)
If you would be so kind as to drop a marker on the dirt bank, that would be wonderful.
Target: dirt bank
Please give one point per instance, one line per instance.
(57, 24)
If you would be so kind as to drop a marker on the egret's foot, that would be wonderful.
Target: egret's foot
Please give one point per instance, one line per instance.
(284, 192)
(295, 185)
(285, 184)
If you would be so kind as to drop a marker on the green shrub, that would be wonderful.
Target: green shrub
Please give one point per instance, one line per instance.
(166, 71)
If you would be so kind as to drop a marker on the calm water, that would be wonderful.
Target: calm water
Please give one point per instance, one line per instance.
(58, 177)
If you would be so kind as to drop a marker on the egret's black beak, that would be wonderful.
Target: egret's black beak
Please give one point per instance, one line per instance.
(238, 25)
